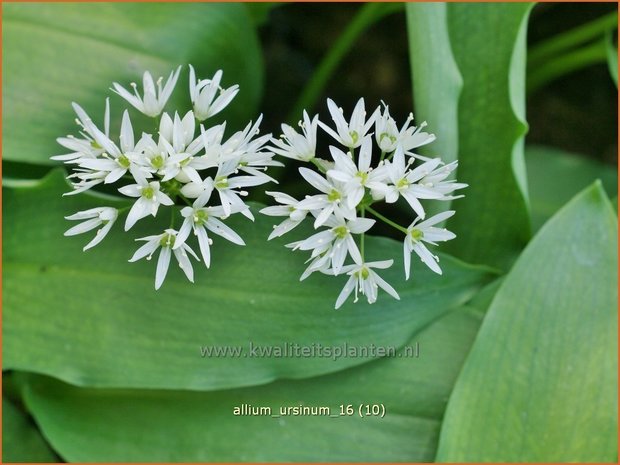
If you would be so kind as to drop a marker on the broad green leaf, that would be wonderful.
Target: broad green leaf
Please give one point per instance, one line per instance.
(93, 319)
(612, 57)
(492, 221)
(555, 176)
(437, 82)
(21, 440)
(540, 383)
(93, 425)
(58, 53)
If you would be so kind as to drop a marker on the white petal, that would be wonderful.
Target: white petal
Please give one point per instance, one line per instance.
(317, 181)
(203, 243)
(339, 255)
(162, 266)
(346, 292)
(144, 250)
(427, 257)
(360, 225)
(365, 154)
(386, 287)
(101, 233)
(184, 231)
(353, 250)
(132, 190)
(127, 141)
(139, 210)
(219, 228)
(355, 196)
(407, 258)
(184, 263)
(438, 218)
(323, 216)
(83, 227)
(414, 203)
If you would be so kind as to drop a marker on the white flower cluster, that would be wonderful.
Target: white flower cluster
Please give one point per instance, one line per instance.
(349, 186)
(177, 165)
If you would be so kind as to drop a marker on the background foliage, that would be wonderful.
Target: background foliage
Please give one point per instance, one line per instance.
(518, 336)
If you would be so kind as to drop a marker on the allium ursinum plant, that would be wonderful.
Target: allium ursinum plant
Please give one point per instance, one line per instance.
(365, 169)
(178, 165)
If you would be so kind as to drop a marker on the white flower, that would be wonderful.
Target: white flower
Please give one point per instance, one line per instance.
(86, 147)
(323, 205)
(366, 281)
(203, 94)
(336, 241)
(389, 137)
(87, 179)
(115, 162)
(99, 141)
(168, 243)
(404, 182)
(242, 143)
(152, 157)
(177, 137)
(212, 143)
(290, 208)
(179, 132)
(200, 219)
(417, 139)
(349, 134)
(154, 100)
(435, 181)
(225, 186)
(297, 146)
(356, 178)
(94, 217)
(149, 199)
(417, 233)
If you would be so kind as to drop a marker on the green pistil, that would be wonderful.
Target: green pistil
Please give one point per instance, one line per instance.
(200, 217)
(341, 232)
(385, 134)
(363, 176)
(123, 161)
(334, 195)
(364, 273)
(416, 235)
(221, 182)
(403, 183)
(157, 162)
(95, 145)
(167, 240)
(148, 192)
(354, 136)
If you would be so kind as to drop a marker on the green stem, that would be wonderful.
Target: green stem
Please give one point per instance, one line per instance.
(365, 17)
(186, 200)
(318, 165)
(363, 212)
(565, 64)
(570, 39)
(172, 212)
(387, 221)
